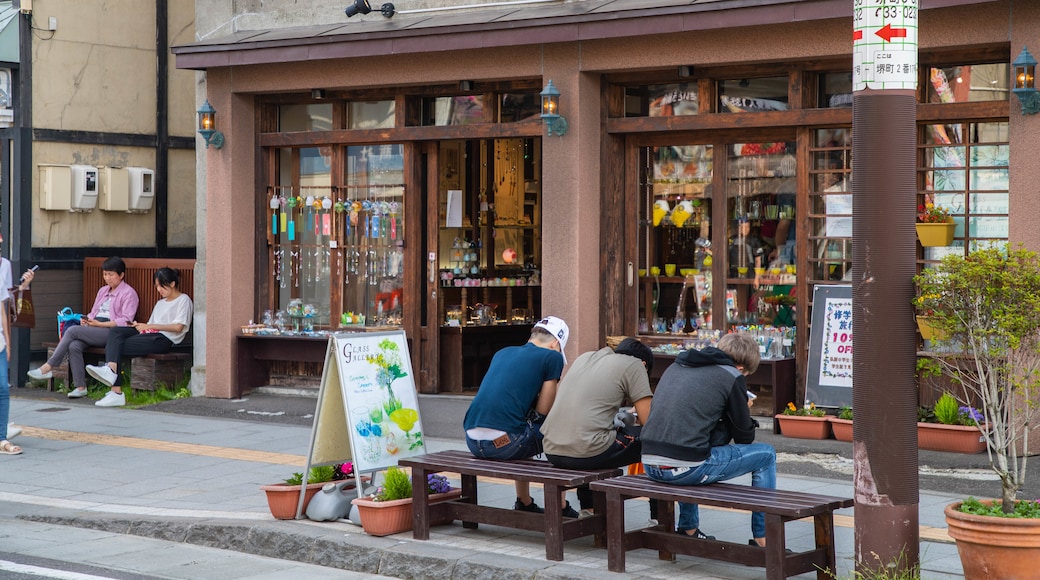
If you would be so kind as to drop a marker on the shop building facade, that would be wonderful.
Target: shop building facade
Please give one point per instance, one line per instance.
(395, 172)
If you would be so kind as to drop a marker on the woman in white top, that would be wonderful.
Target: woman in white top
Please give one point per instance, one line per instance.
(169, 323)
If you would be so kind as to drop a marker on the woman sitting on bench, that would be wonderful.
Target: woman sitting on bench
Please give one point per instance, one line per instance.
(169, 323)
(115, 305)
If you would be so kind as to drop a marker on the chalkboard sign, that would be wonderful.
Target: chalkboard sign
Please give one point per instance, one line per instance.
(368, 409)
(828, 379)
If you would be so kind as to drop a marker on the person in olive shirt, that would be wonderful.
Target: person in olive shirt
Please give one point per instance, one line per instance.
(580, 432)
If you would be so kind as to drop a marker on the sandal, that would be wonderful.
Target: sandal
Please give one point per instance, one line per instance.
(8, 448)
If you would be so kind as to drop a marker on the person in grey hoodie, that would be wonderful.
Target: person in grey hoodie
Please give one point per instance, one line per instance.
(700, 404)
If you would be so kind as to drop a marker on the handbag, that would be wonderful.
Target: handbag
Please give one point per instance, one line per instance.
(20, 307)
(67, 318)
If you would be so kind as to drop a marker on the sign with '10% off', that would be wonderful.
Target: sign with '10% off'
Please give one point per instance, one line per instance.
(884, 45)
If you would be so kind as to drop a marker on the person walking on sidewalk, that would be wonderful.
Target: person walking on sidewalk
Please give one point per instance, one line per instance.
(580, 432)
(115, 306)
(701, 393)
(515, 395)
(6, 447)
(168, 325)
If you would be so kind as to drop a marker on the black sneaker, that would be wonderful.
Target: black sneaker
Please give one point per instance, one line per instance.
(752, 542)
(568, 511)
(531, 507)
(698, 534)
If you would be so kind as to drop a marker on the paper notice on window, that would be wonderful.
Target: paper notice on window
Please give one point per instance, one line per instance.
(453, 217)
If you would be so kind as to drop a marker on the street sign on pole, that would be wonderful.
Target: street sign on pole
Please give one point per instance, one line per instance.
(884, 44)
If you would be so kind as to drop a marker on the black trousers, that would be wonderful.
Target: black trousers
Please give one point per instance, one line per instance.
(625, 450)
(125, 342)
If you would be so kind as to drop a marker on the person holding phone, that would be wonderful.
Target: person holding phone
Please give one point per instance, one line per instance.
(167, 326)
(115, 306)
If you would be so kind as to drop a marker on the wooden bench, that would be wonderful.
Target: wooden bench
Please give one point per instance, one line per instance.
(554, 480)
(146, 372)
(779, 507)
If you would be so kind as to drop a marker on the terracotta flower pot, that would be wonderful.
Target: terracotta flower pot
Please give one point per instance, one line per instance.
(283, 498)
(940, 234)
(953, 438)
(801, 427)
(994, 547)
(842, 428)
(382, 518)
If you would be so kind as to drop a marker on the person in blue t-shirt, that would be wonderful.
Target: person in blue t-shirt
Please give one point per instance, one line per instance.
(515, 395)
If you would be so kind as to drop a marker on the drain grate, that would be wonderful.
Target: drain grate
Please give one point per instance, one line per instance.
(52, 409)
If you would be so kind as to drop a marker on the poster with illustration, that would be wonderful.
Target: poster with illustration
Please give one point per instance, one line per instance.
(368, 409)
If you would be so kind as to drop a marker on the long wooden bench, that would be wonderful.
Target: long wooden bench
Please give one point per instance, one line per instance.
(554, 480)
(779, 507)
(146, 372)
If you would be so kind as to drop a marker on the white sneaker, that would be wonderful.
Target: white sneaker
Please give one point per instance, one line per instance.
(13, 431)
(77, 393)
(112, 399)
(102, 373)
(36, 375)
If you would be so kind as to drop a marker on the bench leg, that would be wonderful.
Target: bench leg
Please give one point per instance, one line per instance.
(420, 505)
(666, 521)
(616, 546)
(553, 523)
(599, 505)
(775, 544)
(469, 494)
(824, 525)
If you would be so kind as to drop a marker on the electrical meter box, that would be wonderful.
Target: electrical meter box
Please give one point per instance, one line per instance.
(115, 189)
(68, 187)
(142, 189)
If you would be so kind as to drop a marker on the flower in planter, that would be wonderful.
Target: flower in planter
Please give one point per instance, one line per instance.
(845, 413)
(343, 471)
(437, 483)
(318, 474)
(929, 213)
(397, 485)
(946, 411)
(809, 410)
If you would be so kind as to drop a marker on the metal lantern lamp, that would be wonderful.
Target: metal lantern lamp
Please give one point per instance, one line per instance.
(1025, 82)
(208, 125)
(555, 123)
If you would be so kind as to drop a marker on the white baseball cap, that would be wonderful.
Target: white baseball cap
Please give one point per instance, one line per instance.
(558, 328)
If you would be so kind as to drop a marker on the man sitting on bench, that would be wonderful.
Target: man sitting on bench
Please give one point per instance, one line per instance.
(703, 392)
(579, 432)
(515, 396)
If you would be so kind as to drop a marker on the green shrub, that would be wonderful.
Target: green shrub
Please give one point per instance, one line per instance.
(947, 411)
(845, 412)
(396, 485)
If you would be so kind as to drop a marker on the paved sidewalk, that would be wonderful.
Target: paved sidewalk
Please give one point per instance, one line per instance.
(196, 480)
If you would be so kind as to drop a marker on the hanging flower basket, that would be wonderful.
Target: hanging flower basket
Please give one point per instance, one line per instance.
(937, 234)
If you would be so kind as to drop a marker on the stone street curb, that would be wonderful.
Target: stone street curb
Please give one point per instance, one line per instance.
(308, 543)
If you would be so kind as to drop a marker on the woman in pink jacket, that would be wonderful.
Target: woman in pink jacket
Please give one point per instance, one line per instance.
(115, 305)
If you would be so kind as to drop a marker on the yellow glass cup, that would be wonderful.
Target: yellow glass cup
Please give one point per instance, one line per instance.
(742, 271)
(655, 271)
(642, 272)
(669, 269)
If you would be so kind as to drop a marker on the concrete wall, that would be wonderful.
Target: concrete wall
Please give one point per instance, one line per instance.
(96, 73)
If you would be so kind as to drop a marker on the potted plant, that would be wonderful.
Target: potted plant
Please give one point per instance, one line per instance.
(934, 225)
(949, 426)
(389, 509)
(988, 307)
(806, 422)
(283, 498)
(841, 425)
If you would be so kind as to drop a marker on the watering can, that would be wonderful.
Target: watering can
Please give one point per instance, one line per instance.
(332, 502)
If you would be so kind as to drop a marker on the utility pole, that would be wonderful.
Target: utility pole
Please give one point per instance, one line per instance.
(884, 192)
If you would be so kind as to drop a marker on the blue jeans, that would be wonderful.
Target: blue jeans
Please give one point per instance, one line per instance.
(5, 396)
(526, 443)
(726, 462)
